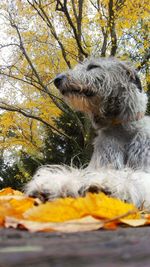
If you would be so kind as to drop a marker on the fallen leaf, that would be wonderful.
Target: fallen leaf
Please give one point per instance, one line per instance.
(6, 210)
(22, 205)
(103, 206)
(134, 222)
(57, 211)
(96, 205)
(84, 224)
(10, 191)
(14, 207)
(66, 215)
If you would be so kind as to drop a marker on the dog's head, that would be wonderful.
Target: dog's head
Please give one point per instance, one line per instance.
(106, 89)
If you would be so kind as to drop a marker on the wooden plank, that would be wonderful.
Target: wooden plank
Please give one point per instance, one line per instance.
(122, 247)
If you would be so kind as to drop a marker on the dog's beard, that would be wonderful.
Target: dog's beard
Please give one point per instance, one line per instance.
(82, 103)
(80, 97)
(78, 102)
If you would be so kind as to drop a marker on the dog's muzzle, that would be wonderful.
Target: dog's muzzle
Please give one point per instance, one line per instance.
(60, 82)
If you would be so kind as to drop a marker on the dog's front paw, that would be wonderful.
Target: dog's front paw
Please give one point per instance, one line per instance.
(94, 182)
(42, 188)
(51, 182)
(94, 188)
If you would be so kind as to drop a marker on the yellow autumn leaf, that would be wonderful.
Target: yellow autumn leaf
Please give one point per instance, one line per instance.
(7, 210)
(22, 205)
(9, 191)
(92, 212)
(14, 208)
(13, 203)
(96, 205)
(58, 211)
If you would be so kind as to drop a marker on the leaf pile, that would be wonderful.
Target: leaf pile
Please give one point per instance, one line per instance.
(92, 212)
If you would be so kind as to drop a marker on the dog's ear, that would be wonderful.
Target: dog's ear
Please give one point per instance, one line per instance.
(137, 82)
(132, 74)
(131, 99)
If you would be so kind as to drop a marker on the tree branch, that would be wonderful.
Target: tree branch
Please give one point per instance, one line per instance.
(5, 106)
(112, 28)
(45, 18)
(63, 8)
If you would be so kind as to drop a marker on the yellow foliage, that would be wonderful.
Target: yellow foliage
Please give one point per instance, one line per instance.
(49, 44)
(15, 204)
(82, 214)
(96, 205)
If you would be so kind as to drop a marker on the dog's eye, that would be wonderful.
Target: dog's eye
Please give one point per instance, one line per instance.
(92, 66)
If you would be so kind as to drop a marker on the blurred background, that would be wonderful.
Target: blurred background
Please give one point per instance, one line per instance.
(38, 40)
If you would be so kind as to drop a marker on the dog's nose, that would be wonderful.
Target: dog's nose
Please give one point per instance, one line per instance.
(58, 80)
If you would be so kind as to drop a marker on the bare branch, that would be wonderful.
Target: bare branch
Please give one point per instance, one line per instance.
(5, 106)
(45, 18)
(63, 8)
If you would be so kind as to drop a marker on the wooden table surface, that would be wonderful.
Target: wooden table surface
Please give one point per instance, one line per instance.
(121, 247)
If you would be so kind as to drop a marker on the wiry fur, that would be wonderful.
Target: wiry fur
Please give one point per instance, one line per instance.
(110, 92)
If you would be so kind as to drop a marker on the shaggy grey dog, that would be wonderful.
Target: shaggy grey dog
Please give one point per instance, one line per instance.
(110, 92)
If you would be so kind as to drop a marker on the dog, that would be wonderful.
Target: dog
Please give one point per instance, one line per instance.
(109, 91)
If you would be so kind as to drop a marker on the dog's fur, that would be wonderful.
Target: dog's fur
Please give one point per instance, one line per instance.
(110, 92)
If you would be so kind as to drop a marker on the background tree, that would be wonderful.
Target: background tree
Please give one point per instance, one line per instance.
(41, 38)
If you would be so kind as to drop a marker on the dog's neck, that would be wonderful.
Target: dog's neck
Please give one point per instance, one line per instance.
(99, 122)
(137, 117)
